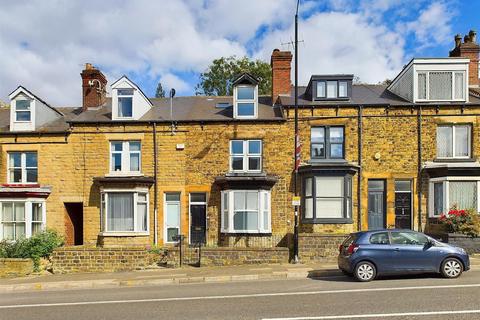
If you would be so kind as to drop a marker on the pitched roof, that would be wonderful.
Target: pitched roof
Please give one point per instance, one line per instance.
(22, 88)
(56, 126)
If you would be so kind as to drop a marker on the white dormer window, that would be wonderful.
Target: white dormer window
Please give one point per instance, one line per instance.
(23, 111)
(245, 105)
(125, 103)
(441, 85)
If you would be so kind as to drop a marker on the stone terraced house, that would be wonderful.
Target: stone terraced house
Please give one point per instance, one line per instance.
(128, 170)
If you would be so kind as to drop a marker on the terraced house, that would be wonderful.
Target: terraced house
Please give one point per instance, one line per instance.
(131, 170)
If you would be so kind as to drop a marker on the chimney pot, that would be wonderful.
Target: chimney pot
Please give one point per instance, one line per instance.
(458, 40)
(468, 49)
(473, 36)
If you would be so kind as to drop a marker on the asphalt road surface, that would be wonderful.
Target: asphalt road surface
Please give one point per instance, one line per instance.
(425, 298)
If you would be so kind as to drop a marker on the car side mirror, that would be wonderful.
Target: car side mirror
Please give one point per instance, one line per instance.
(430, 243)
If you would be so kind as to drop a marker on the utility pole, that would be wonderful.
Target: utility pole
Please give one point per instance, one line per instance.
(296, 144)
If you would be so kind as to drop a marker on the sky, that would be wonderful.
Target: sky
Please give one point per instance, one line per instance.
(44, 44)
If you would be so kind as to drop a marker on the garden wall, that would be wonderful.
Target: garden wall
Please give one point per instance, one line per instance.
(318, 247)
(12, 267)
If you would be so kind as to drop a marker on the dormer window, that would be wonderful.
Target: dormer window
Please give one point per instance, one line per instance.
(125, 103)
(23, 111)
(330, 87)
(245, 97)
(441, 85)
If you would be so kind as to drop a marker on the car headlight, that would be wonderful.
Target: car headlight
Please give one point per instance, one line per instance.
(462, 251)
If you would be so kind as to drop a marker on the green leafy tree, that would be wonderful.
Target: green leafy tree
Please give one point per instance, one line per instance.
(160, 93)
(217, 79)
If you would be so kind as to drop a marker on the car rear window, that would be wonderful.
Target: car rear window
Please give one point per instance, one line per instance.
(379, 238)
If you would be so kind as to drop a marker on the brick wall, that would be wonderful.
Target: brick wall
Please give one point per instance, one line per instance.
(15, 267)
(317, 247)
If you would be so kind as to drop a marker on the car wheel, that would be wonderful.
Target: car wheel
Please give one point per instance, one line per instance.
(365, 271)
(451, 268)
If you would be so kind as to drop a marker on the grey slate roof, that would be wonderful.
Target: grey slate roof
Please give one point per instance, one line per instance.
(362, 94)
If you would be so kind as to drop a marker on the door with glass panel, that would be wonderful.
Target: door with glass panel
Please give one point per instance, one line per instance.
(376, 204)
(198, 217)
(172, 216)
(403, 204)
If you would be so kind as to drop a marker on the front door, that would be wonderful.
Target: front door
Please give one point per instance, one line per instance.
(198, 218)
(403, 204)
(376, 204)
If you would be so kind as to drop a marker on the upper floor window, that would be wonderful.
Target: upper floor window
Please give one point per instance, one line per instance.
(332, 89)
(125, 103)
(125, 156)
(245, 155)
(327, 142)
(23, 111)
(22, 167)
(441, 85)
(454, 141)
(245, 105)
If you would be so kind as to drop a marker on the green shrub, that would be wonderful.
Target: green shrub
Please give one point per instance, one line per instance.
(40, 245)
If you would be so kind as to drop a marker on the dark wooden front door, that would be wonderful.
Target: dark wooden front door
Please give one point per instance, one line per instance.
(403, 210)
(198, 218)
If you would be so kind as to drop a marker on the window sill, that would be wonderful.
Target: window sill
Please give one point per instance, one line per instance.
(328, 221)
(124, 174)
(124, 234)
(244, 233)
(327, 160)
(448, 160)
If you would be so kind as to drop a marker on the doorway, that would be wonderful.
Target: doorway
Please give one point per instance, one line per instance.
(198, 218)
(376, 204)
(74, 224)
(403, 204)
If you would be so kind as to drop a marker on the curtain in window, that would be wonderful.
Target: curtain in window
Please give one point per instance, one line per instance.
(440, 85)
(438, 198)
(459, 89)
(120, 212)
(329, 193)
(245, 216)
(422, 86)
(444, 141)
(125, 107)
(463, 194)
(461, 141)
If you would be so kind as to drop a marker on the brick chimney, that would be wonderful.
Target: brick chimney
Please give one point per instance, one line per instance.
(468, 49)
(281, 64)
(94, 91)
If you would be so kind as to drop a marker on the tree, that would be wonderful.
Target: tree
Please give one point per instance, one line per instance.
(217, 79)
(160, 93)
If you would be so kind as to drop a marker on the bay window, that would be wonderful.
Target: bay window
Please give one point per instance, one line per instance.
(246, 211)
(21, 218)
(125, 157)
(124, 210)
(447, 192)
(245, 155)
(327, 199)
(453, 141)
(22, 167)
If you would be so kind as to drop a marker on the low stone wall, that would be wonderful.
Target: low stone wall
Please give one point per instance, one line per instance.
(471, 245)
(11, 267)
(318, 247)
(93, 259)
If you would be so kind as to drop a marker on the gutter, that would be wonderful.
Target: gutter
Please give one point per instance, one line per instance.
(359, 177)
(155, 185)
(419, 167)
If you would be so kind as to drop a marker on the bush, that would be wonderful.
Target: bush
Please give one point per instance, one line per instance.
(462, 221)
(40, 245)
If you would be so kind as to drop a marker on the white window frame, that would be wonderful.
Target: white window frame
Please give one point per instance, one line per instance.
(228, 209)
(23, 167)
(427, 85)
(469, 140)
(125, 154)
(27, 110)
(28, 213)
(446, 200)
(236, 101)
(104, 211)
(119, 96)
(165, 226)
(246, 155)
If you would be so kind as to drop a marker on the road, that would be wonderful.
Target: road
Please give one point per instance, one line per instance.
(339, 297)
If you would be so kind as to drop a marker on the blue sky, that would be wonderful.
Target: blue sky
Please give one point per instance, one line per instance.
(173, 41)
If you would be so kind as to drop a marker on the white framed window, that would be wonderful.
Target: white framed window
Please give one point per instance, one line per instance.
(454, 141)
(331, 89)
(125, 157)
(441, 85)
(21, 218)
(125, 103)
(245, 101)
(172, 210)
(246, 211)
(23, 112)
(446, 192)
(321, 89)
(22, 167)
(245, 155)
(125, 211)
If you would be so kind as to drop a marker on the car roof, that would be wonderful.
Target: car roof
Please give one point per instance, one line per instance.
(382, 230)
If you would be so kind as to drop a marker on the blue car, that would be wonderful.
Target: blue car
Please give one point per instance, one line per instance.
(367, 254)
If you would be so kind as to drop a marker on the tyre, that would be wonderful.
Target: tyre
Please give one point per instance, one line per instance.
(451, 268)
(365, 271)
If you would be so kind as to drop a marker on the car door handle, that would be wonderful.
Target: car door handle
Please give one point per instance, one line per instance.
(396, 249)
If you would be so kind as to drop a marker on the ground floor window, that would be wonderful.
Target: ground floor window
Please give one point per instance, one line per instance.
(21, 218)
(246, 211)
(447, 192)
(125, 210)
(327, 199)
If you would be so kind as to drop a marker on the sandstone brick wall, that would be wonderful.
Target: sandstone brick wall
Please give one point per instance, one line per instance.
(10, 267)
(318, 247)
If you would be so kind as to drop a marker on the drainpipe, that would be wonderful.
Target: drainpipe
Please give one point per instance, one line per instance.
(359, 177)
(419, 168)
(155, 186)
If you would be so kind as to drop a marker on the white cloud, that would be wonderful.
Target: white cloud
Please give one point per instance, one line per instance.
(170, 81)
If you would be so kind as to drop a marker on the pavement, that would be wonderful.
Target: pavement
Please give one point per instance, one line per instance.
(428, 297)
(170, 276)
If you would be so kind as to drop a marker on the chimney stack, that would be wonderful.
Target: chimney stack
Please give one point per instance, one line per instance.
(94, 93)
(281, 62)
(468, 49)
